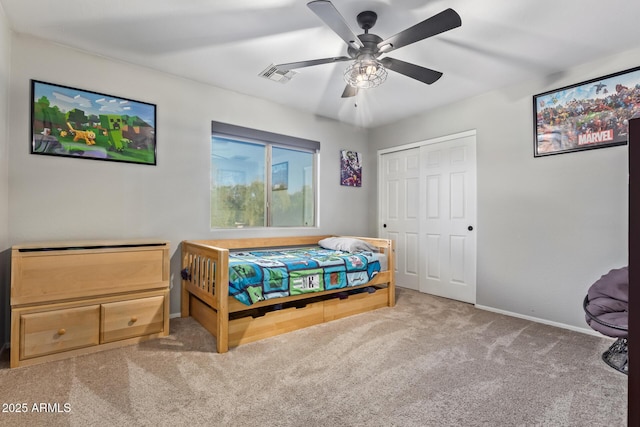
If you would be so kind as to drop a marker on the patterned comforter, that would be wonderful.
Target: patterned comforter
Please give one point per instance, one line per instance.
(258, 275)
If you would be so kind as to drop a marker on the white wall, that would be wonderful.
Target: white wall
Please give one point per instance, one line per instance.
(55, 198)
(547, 227)
(5, 61)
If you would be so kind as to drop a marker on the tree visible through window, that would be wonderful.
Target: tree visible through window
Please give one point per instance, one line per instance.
(260, 183)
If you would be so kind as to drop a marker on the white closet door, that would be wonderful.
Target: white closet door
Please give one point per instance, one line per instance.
(428, 206)
(400, 212)
(448, 219)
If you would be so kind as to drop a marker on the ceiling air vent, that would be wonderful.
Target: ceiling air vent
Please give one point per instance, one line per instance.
(281, 76)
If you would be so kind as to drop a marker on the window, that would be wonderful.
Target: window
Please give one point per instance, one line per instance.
(261, 179)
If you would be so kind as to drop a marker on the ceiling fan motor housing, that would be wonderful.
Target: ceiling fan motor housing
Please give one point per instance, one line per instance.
(370, 42)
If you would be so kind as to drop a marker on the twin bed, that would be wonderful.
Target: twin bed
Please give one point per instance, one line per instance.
(244, 290)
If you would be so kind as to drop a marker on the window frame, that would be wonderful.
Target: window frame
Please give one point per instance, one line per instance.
(269, 140)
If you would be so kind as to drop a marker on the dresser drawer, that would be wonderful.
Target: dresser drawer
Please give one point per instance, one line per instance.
(132, 318)
(58, 330)
(56, 275)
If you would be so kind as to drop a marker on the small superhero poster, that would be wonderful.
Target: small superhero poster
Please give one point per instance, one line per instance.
(350, 168)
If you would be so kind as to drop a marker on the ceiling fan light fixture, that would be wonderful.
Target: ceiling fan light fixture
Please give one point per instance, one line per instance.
(365, 73)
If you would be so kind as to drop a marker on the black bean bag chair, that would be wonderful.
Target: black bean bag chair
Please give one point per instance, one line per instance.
(607, 311)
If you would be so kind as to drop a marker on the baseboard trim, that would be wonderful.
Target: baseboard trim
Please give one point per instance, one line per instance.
(174, 315)
(543, 321)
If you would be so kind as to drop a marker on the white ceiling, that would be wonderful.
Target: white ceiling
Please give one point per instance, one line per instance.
(227, 43)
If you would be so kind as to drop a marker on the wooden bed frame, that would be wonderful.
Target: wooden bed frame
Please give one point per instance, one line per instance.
(205, 293)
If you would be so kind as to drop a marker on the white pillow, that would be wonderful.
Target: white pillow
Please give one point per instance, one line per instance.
(346, 244)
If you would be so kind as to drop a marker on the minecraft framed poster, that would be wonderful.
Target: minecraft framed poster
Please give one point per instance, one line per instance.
(587, 115)
(72, 122)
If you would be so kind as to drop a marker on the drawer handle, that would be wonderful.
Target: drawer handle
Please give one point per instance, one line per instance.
(62, 331)
(134, 319)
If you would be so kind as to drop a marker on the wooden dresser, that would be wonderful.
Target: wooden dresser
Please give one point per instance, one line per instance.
(72, 298)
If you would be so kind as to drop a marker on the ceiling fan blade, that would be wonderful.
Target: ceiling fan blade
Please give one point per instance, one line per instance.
(330, 16)
(444, 21)
(301, 64)
(425, 75)
(349, 91)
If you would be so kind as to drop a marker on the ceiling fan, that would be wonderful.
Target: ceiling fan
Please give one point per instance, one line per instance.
(367, 70)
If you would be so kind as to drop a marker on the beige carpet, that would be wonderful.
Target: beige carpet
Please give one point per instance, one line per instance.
(427, 362)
